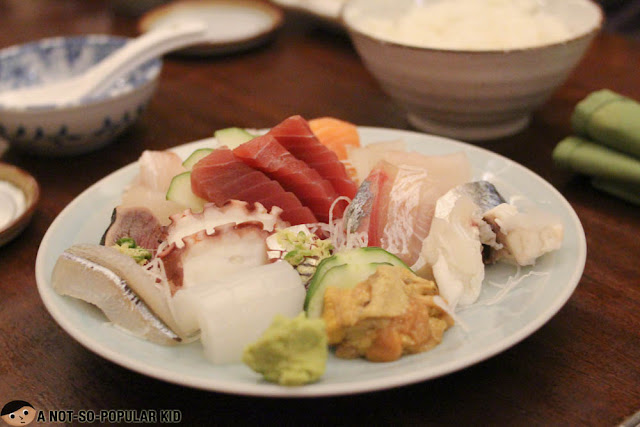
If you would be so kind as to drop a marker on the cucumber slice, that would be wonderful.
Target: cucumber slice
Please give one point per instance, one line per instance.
(195, 157)
(355, 256)
(232, 137)
(345, 270)
(181, 193)
(342, 276)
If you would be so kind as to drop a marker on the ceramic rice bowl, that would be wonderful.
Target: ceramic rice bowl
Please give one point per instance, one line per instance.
(466, 94)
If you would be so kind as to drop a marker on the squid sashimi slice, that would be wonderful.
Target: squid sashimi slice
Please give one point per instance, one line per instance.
(119, 287)
(221, 177)
(297, 137)
(267, 155)
(233, 312)
(149, 187)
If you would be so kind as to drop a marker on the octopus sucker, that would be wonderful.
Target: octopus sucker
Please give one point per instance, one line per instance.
(235, 211)
(206, 256)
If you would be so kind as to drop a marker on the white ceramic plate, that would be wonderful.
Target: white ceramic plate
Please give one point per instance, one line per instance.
(492, 328)
(233, 25)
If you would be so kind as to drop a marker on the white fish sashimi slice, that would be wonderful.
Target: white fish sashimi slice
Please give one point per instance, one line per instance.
(157, 169)
(400, 235)
(364, 159)
(81, 278)
(237, 313)
(149, 188)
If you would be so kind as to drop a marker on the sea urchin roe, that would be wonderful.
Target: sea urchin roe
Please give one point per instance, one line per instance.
(469, 25)
(12, 203)
(390, 314)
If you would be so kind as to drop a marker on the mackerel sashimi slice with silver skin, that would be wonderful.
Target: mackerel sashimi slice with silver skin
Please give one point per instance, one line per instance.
(222, 176)
(118, 286)
(295, 134)
(266, 154)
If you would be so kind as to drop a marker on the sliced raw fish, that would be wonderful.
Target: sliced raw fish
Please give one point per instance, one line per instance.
(138, 223)
(117, 288)
(483, 193)
(296, 136)
(149, 187)
(266, 154)
(242, 182)
(396, 203)
(363, 159)
(338, 135)
(367, 213)
(157, 168)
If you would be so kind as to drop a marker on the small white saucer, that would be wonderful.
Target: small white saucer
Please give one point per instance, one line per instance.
(234, 25)
(327, 11)
(19, 195)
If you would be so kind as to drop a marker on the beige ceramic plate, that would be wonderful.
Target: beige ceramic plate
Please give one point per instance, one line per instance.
(15, 210)
(234, 25)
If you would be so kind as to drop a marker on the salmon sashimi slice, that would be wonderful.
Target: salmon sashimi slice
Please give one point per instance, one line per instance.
(296, 136)
(338, 135)
(242, 182)
(266, 154)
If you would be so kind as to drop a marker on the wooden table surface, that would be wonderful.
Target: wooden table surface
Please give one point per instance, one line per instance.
(581, 368)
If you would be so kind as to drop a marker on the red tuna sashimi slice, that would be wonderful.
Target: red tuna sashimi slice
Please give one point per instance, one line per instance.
(266, 154)
(300, 215)
(247, 184)
(295, 212)
(296, 136)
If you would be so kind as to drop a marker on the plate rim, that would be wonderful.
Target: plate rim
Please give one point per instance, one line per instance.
(263, 389)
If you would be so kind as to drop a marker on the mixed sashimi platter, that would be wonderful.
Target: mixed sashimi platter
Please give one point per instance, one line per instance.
(285, 248)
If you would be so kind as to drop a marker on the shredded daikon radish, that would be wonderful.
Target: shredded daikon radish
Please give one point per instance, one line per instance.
(511, 283)
(440, 302)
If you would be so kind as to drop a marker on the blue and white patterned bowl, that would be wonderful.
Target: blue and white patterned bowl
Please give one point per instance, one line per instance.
(69, 130)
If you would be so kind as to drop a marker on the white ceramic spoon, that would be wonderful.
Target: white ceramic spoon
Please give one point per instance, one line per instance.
(99, 77)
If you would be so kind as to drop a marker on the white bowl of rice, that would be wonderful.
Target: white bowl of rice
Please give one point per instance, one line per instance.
(471, 69)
